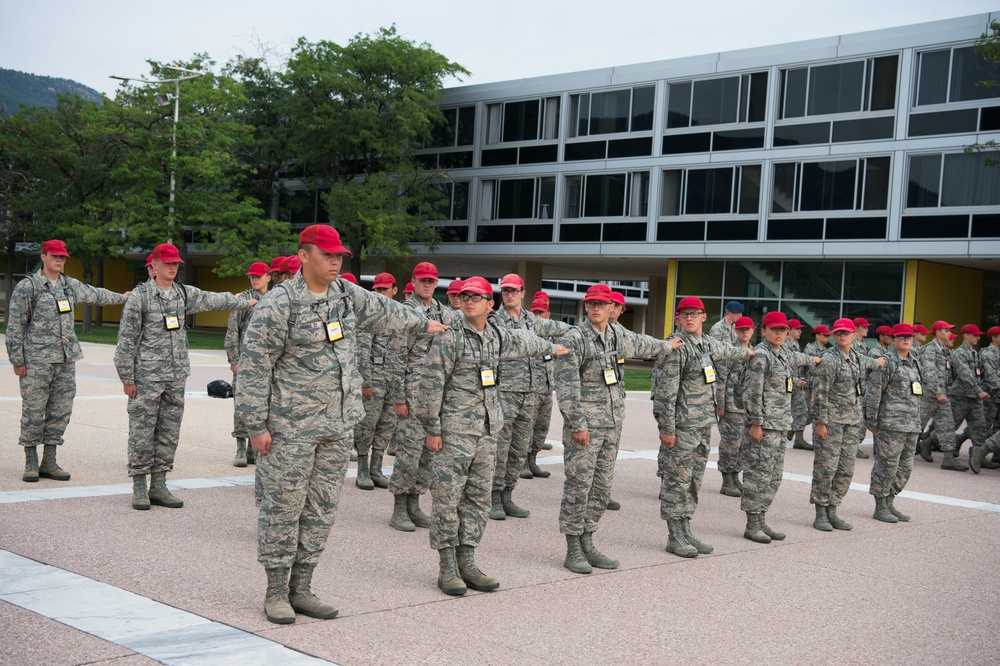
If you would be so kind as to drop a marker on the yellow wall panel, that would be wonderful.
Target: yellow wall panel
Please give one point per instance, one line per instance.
(952, 293)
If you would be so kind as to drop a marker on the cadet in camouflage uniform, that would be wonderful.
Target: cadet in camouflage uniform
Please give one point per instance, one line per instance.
(458, 407)
(767, 396)
(966, 391)
(936, 368)
(260, 279)
(454, 289)
(540, 308)
(300, 402)
(800, 397)
(800, 419)
(724, 330)
(42, 347)
(686, 409)
(522, 383)
(892, 413)
(989, 362)
(151, 358)
(411, 471)
(592, 401)
(732, 416)
(375, 431)
(861, 326)
(836, 404)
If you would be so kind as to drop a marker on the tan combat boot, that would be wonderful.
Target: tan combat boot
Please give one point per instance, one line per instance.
(509, 508)
(160, 495)
(677, 542)
(882, 511)
(364, 480)
(416, 514)
(575, 560)
(470, 573)
(729, 486)
(754, 532)
(822, 522)
(496, 507)
(276, 606)
(140, 496)
(375, 470)
(775, 536)
(449, 581)
(703, 547)
(49, 468)
(400, 519)
(300, 595)
(241, 453)
(595, 558)
(30, 464)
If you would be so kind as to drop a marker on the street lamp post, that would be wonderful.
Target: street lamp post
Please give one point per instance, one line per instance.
(162, 99)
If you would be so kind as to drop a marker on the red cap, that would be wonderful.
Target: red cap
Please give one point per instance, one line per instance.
(900, 330)
(455, 287)
(939, 324)
(258, 268)
(883, 330)
(844, 324)
(861, 321)
(821, 330)
(349, 277)
(325, 238)
(690, 302)
(511, 281)
(952, 336)
(743, 322)
(477, 285)
(408, 289)
(539, 305)
(384, 280)
(56, 248)
(149, 260)
(971, 329)
(794, 323)
(425, 269)
(291, 264)
(276, 264)
(167, 253)
(541, 296)
(598, 292)
(775, 319)
(920, 328)
(618, 298)
(994, 330)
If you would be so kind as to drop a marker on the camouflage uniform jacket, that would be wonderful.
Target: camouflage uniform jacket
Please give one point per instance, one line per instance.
(408, 351)
(724, 332)
(684, 395)
(728, 384)
(373, 348)
(890, 401)
(837, 384)
(878, 351)
(790, 345)
(766, 393)
(293, 376)
(451, 396)
(146, 350)
(968, 381)
(237, 327)
(37, 330)
(529, 375)
(935, 366)
(812, 349)
(586, 400)
(989, 361)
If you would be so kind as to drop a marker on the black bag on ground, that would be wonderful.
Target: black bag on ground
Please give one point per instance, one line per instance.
(220, 389)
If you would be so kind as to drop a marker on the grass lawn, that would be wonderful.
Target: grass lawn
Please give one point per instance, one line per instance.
(109, 335)
(638, 379)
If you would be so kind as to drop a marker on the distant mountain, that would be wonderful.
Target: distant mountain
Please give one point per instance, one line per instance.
(19, 89)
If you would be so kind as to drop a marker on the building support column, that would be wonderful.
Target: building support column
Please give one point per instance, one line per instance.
(531, 272)
(659, 322)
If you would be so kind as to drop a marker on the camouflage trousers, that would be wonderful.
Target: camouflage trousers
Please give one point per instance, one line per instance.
(239, 430)
(800, 408)
(301, 481)
(893, 462)
(589, 472)
(944, 421)
(47, 392)
(969, 410)
(833, 464)
(461, 478)
(542, 423)
(411, 469)
(992, 444)
(991, 416)
(377, 427)
(154, 426)
(733, 437)
(520, 410)
(683, 470)
(764, 463)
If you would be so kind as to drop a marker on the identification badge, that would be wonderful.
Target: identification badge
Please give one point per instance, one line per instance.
(334, 331)
(621, 361)
(610, 377)
(947, 365)
(709, 375)
(547, 358)
(63, 305)
(917, 388)
(789, 387)
(857, 387)
(979, 371)
(171, 322)
(487, 378)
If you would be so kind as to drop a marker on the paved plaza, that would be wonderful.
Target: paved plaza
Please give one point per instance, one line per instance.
(85, 579)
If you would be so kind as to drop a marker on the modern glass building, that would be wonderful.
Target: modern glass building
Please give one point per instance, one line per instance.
(825, 178)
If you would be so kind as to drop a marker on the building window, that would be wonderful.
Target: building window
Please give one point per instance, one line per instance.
(458, 128)
(726, 190)
(611, 112)
(964, 180)
(518, 198)
(863, 85)
(953, 75)
(861, 184)
(456, 194)
(525, 120)
(734, 99)
(608, 195)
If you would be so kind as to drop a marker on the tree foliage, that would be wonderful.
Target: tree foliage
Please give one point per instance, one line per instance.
(988, 47)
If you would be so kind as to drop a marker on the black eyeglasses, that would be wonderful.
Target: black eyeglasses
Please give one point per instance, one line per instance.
(475, 298)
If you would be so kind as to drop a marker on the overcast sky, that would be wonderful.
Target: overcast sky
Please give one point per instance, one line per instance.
(496, 41)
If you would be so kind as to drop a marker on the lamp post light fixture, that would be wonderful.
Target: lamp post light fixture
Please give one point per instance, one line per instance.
(163, 99)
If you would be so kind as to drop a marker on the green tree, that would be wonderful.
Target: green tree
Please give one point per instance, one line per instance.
(360, 112)
(988, 47)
